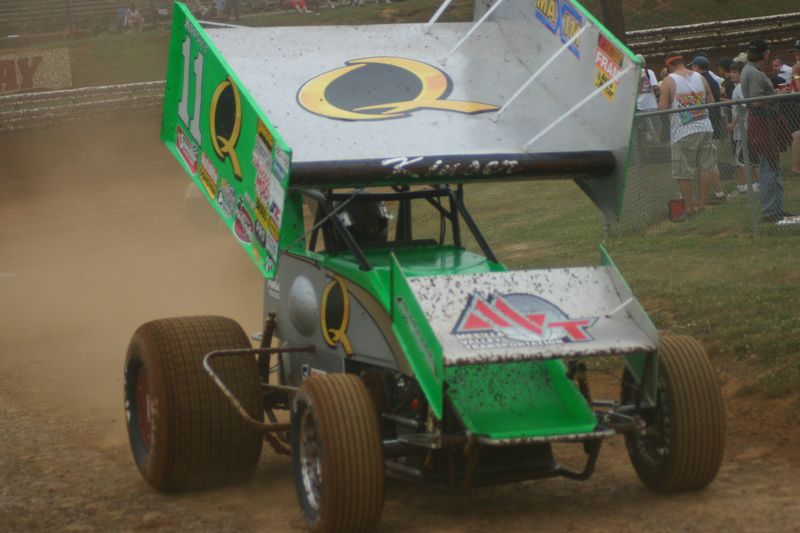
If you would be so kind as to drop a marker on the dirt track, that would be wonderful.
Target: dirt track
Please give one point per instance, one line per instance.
(94, 240)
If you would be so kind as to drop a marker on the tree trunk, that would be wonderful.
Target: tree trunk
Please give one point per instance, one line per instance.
(612, 15)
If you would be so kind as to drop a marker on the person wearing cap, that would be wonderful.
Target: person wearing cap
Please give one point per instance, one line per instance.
(767, 132)
(691, 131)
(701, 65)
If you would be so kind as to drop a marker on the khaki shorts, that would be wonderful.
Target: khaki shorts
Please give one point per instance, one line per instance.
(692, 154)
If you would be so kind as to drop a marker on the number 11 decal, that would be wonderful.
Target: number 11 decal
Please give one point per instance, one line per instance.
(193, 122)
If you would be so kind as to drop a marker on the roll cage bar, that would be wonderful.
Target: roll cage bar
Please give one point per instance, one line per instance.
(329, 203)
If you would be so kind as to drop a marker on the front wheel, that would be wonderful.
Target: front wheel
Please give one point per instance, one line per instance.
(337, 454)
(183, 432)
(683, 445)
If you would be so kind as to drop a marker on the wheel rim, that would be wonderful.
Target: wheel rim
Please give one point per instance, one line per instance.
(143, 407)
(310, 460)
(653, 445)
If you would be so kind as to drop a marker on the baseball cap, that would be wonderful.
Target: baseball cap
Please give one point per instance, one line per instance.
(725, 63)
(700, 61)
(795, 47)
(758, 46)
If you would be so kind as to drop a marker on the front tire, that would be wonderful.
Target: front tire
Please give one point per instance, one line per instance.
(685, 440)
(337, 454)
(182, 431)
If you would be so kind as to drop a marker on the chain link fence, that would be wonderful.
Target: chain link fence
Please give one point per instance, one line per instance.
(729, 167)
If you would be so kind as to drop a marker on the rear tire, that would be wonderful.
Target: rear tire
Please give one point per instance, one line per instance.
(337, 454)
(183, 432)
(685, 442)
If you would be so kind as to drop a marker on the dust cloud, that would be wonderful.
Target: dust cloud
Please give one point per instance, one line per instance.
(95, 239)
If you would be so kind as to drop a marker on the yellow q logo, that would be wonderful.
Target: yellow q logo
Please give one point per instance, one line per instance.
(335, 314)
(350, 92)
(225, 123)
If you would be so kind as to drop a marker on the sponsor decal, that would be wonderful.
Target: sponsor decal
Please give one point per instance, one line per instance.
(274, 289)
(559, 16)
(227, 199)
(308, 371)
(334, 314)
(209, 176)
(262, 150)
(271, 244)
(378, 88)
(607, 64)
(276, 197)
(281, 164)
(517, 320)
(225, 123)
(187, 149)
(243, 225)
(26, 70)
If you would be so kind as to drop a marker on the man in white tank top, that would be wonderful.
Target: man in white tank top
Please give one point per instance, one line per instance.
(690, 131)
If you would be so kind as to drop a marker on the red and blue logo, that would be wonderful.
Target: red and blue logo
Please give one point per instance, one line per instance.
(517, 320)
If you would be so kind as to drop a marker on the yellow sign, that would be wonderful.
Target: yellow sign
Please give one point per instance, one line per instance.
(336, 94)
(225, 123)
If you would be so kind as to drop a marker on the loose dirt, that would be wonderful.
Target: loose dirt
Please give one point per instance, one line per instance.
(95, 239)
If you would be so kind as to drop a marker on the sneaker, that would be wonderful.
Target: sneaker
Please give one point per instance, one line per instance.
(755, 187)
(717, 198)
(737, 192)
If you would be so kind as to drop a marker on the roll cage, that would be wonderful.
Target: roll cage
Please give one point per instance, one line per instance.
(336, 238)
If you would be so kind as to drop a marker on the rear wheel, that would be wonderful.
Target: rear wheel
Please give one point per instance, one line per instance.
(683, 445)
(183, 432)
(337, 454)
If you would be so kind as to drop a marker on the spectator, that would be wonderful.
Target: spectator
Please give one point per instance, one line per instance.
(704, 54)
(781, 69)
(299, 6)
(727, 84)
(232, 7)
(795, 87)
(701, 65)
(220, 8)
(134, 19)
(646, 127)
(738, 124)
(122, 17)
(766, 132)
(690, 131)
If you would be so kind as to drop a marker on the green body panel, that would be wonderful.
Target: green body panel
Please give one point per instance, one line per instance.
(519, 399)
(417, 340)
(224, 142)
(432, 260)
(643, 366)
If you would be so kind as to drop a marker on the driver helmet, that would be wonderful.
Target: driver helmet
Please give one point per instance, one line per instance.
(366, 220)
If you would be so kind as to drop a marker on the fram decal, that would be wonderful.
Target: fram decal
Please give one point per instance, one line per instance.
(607, 64)
(378, 88)
(559, 16)
(517, 320)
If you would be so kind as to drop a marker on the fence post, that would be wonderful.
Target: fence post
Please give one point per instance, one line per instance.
(68, 9)
(748, 171)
